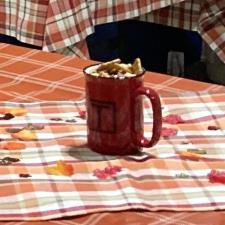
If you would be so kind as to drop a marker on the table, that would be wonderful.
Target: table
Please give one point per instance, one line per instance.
(28, 75)
(61, 26)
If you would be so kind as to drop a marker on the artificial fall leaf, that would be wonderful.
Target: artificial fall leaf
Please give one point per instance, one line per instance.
(189, 156)
(101, 174)
(13, 145)
(24, 175)
(16, 111)
(168, 132)
(216, 176)
(173, 119)
(109, 171)
(182, 175)
(31, 126)
(7, 116)
(82, 114)
(61, 169)
(197, 151)
(25, 135)
(66, 169)
(213, 127)
(8, 160)
(2, 130)
(54, 171)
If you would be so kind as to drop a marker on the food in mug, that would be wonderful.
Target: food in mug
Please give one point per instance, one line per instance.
(116, 69)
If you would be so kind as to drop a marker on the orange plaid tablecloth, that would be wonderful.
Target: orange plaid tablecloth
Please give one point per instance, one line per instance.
(63, 26)
(163, 182)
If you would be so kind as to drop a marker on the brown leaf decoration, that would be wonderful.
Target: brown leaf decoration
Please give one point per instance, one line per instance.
(197, 151)
(24, 175)
(7, 116)
(61, 169)
(25, 135)
(13, 130)
(31, 126)
(8, 160)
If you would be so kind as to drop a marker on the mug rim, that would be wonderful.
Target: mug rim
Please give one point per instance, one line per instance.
(125, 78)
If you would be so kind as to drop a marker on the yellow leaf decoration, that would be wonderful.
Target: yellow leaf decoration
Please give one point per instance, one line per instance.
(189, 156)
(61, 169)
(2, 130)
(16, 111)
(25, 135)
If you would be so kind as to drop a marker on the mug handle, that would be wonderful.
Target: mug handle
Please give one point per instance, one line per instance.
(141, 140)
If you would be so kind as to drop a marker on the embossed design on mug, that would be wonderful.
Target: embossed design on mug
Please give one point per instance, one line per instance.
(103, 117)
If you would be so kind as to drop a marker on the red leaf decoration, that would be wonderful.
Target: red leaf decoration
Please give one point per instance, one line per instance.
(173, 119)
(82, 114)
(107, 172)
(216, 176)
(101, 174)
(168, 132)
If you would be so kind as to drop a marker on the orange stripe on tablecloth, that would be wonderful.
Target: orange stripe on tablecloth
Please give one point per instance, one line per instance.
(17, 169)
(3, 59)
(40, 108)
(44, 57)
(170, 164)
(185, 84)
(210, 141)
(61, 95)
(169, 85)
(200, 126)
(150, 77)
(89, 166)
(144, 184)
(195, 140)
(8, 189)
(67, 143)
(41, 90)
(40, 66)
(64, 128)
(58, 108)
(192, 97)
(51, 109)
(85, 186)
(79, 167)
(188, 109)
(218, 97)
(73, 142)
(15, 50)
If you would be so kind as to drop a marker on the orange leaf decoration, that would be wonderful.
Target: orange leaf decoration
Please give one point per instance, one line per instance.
(25, 135)
(189, 156)
(16, 111)
(2, 130)
(12, 145)
(61, 169)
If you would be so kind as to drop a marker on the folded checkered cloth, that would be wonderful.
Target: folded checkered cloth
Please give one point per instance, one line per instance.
(162, 182)
(63, 26)
(207, 17)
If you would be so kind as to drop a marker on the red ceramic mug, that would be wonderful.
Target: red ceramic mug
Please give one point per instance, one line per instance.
(115, 123)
